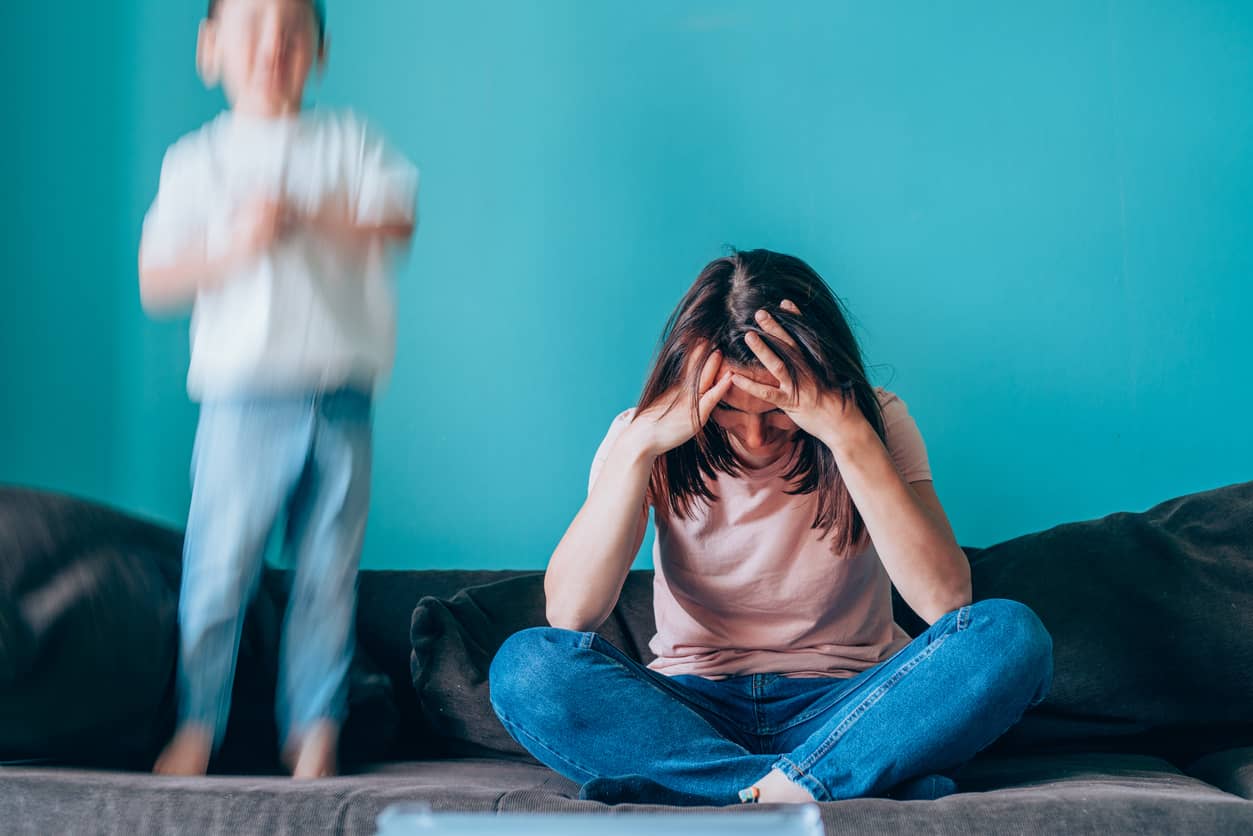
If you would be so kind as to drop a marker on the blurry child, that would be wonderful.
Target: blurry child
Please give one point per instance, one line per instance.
(272, 222)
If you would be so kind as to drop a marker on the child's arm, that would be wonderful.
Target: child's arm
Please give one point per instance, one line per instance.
(380, 205)
(339, 222)
(172, 282)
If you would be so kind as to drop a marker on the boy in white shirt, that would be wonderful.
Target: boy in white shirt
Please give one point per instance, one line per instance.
(272, 222)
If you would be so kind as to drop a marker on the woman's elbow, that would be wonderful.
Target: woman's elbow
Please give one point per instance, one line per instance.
(941, 604)
(569, 613)
(567, 618)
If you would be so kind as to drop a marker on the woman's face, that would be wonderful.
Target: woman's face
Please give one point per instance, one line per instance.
(760, 432)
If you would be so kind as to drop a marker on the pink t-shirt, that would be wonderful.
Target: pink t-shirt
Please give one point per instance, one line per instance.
(746, 586)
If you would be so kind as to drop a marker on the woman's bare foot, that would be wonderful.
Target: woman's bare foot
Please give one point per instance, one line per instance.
(777, 788)
(187, 754)
(316, 753)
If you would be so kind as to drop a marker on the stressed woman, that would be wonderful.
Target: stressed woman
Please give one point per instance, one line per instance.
(788, 495)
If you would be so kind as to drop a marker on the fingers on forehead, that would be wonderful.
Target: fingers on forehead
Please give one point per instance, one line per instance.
(709, 370)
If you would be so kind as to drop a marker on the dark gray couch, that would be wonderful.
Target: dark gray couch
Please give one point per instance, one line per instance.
(1149, 728)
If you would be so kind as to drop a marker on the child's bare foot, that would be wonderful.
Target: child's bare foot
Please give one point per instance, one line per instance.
(316, 753)
(187, 754)
(777, 788)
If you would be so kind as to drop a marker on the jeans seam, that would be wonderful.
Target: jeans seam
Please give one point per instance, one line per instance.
(809, 714)
(869, 701)
(758, 720)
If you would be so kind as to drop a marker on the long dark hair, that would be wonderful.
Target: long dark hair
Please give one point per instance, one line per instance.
(716, 313)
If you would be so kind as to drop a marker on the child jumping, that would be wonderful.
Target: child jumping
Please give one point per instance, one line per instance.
(272, 222)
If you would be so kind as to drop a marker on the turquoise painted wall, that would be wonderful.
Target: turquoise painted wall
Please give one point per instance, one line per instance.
(1038, 212)
(63, 243)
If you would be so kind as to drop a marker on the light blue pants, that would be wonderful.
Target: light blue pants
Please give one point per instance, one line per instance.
(254, 460)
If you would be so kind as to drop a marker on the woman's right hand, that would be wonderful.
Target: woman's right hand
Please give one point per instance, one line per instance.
(669, 422)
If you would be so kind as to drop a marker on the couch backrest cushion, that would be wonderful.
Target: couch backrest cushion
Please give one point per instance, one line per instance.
(89, 645)
(1152, 623)
(455, 639)
(1151, 616)
(88, 604)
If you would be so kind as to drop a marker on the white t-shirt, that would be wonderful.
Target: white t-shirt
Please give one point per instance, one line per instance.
(307, 315)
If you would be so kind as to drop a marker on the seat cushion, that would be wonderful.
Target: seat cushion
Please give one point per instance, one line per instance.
(1038, 794)
(1080, 793)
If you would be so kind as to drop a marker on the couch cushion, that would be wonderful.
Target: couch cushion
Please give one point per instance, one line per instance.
(1152, 622)
(454, 641)
(251, 742)
(1025, 794)
(89, 644)
(1112, 794)
(1230, 770)
(88, 598)
(384, 614)
(43, 800)
(1141, 607)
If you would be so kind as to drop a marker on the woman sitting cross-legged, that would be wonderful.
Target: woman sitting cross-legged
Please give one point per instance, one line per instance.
(789, 495)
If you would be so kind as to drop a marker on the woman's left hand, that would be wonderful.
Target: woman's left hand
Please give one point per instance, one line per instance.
(829, 415)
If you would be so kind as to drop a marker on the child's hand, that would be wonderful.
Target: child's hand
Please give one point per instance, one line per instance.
(333, 219)
(259, 225)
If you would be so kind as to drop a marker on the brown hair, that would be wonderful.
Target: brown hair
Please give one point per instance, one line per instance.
(716, 313)
(318, 7)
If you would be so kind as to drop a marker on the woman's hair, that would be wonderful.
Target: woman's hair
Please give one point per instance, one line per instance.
(318, 7)
(715, 314)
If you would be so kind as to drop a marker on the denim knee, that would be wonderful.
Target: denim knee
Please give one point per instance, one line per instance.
(529, 661)
(1023, 639)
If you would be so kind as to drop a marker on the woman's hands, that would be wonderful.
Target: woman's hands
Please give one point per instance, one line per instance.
(830, 415)
(669, 421)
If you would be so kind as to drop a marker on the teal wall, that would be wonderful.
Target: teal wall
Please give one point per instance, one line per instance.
(64, 245)
(1038, 212)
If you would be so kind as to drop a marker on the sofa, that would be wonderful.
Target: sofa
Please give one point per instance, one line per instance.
(1148, 727)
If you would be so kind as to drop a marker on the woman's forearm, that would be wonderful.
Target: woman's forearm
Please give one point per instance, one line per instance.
(917, 547)
(590, 564)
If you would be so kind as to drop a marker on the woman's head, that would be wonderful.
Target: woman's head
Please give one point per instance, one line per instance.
(745, 432)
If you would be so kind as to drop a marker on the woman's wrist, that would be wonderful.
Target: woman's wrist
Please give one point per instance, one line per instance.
(848, 438)
(637, 443)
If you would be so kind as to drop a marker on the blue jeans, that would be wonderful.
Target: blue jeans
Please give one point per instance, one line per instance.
(586, 710)
(254, 460)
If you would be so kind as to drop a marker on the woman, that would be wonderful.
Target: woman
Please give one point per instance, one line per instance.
(788, 496)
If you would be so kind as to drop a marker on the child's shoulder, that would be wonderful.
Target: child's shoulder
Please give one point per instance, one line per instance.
(353, 130)
(342, 122)
(192, 147)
